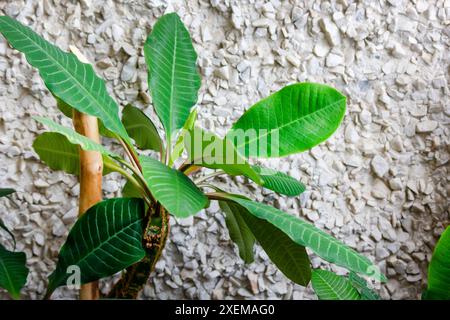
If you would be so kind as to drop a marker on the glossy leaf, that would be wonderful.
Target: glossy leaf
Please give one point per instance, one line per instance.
(6, 192)
(329, 286)
(141, 128)
(294, 119)
(13, 271)
(103, 241)
(279, 181)
(207, 150)
(306, 234)
(130, 191)
(361, 285)
(176, 192)
(64, 108)
(76, 138)
(238, 230)
(173, 77)
(65, 76)
(439, 269)
(55, 150)
(289, 257)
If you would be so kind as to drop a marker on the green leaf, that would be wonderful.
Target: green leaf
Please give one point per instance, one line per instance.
(129, 190)
(207, 150)
(279, 181)
(65, 76)
(76, 138)
(179, 145)
(64, 108)
(290, 257)
(13, 271)
(238, 230)
(361, 285)
(103, 241)
(173, 77)
(329, 286)
(141, 128)
(306, 234)
(176, 192)
(439, 269)
(6, 192)
(294, 119)
(55, 150)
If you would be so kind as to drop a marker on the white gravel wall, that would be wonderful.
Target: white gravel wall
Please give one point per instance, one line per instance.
(380, 183)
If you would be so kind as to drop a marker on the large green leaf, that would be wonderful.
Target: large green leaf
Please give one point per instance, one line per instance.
(208, 150)
(292, 120)
(308, 235)
(65, 76)
(6, 192)
(290, 257)
(439, 269)
(13, 271)
(76, 138)
(329, 286)
(56, 151)
(141, 128)
(361, 285)
(238, 230)
(176, 192)
(173, 76)
(103, 241)
(279, 181)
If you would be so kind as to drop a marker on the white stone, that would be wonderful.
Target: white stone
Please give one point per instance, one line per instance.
(379, 165)
(70, 216)
(293, 59)
(334, 60)
(129, 69)
(396, 184)
(426, 126)
(223, 73)
(380, 190)
(261, 22)
(117, 32)
(331, 31)
(321, 48)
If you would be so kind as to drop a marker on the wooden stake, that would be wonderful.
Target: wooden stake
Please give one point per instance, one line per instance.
(91, 168)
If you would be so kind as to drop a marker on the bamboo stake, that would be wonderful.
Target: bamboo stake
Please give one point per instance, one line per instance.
(91, 168)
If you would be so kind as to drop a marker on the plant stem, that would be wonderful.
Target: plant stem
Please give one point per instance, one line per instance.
(211, 175)
(131, 153)
(141, 179)
(168, 149)
(130, 178)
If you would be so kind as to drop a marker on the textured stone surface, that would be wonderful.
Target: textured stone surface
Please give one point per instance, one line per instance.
(380, 183)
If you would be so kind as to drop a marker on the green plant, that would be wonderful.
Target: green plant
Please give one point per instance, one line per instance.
(13, 272)
(129, 233)
(439, 270)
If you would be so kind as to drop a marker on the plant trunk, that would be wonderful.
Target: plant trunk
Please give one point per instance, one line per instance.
(91, 168)
(136, 276)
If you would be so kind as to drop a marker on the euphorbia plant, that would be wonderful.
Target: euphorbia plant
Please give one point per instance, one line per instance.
(129, 233)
